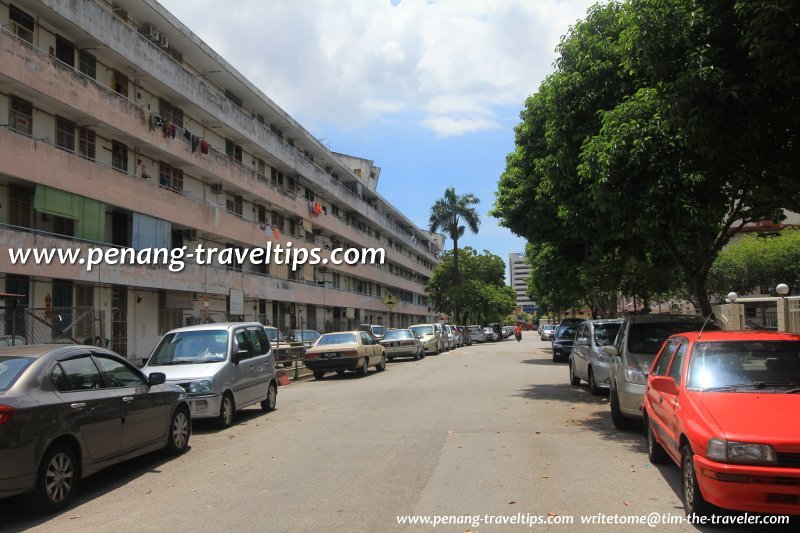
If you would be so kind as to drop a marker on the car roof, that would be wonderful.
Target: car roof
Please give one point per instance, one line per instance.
(665, 317)
(39, 350)
(717, 335)
(216, 326)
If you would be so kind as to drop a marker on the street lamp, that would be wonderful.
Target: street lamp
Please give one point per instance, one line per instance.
(782, 289)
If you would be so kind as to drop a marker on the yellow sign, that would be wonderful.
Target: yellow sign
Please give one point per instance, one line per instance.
(390, 300)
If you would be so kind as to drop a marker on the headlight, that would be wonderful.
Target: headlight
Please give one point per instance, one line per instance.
(634, 375)
(200, 387)
(740, 452)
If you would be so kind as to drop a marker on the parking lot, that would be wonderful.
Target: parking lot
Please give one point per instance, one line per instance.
(491, 429)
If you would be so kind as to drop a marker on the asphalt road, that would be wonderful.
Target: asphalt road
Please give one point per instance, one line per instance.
(491, 429)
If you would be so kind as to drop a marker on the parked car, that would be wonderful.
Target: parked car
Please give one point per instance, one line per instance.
(723, 406)
(68, 411)
(588, 361)
(476, 333)
(375, 330)
(345, 350)
(458, 339)
(449, 337)
(465, 338)
(281, 349)
(508, 331)
(402, 343)
(489, 334)
(638, 341)
(303, 337)
(498, 330)
(571, 321)
(562, 342)
(547, 332)
(223, 367)
(431, 337)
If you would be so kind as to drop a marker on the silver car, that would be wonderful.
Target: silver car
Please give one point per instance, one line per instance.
(588, 361)
(402, 343)
(432, 337)
(449, 336)
(476, 333)
(223, 367)
(68, 411)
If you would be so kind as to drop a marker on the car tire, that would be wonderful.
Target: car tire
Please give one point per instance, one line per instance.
(655, 452)
(619, 419)
(693, 501)
(271, 400)
(417, 355)
(319, 375)
(573, 379)
(594, 390)
(363, 370)
(227, 409)
(180, 429)
(382, 365)
(56, 480)
(392, 359)
(555, 357)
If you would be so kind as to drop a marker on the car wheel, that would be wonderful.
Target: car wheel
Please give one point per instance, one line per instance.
(594, 390)
(364, 368)
(693, 501)
(272, 397)
(619, 419)
(417, 355)
(573, 379)
(179, 431)
(56, 480)
(382, 365)
(319, 374)
(392, 359)
(555, 357)
(655, 452)
(226, 410)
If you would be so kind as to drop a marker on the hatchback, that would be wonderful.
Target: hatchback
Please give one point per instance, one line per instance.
(588, 360)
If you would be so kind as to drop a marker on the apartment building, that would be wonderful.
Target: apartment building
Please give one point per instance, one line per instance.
(519, 270)
(121, 128)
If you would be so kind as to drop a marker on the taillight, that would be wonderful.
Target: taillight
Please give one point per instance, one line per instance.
(350, 353)
(407, 343)
(309, 355)
(6, 413)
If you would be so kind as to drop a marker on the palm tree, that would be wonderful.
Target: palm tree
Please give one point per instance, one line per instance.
(448, 213)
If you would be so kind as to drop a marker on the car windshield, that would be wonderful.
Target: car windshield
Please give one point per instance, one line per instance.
(337, 338)
(11, 368)
(474, 328)
(605, 333)
(398, 334)
(273, 335)
(549, 327)
(566, 332)
(745, 364)
(422, 330)
(647, 337)
(378, 330)
(191, 347)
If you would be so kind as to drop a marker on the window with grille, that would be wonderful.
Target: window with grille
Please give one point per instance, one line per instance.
(120, 83)
(277, 220)
(119, 156)
(262, 167)
(277, 176)
(234, 204)
(86, 143)
(169, 112)
(233, 150)
(234, 264)
(262, 214)
(20, 115)
(20, 23)
(309, 194)
(65, 134)
(87, 64)
(170, 177)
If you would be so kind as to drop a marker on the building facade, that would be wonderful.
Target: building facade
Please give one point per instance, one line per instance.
(519, 270)
(122, 129)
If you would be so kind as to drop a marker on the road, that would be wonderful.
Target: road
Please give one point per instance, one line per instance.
(490, 429)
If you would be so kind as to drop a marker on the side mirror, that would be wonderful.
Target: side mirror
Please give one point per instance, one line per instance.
(156, 378)
(664, 384)
(610, 351)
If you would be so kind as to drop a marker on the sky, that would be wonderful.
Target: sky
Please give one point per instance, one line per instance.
(430, 90)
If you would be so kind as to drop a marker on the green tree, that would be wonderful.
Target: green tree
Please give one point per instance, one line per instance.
(453, 214)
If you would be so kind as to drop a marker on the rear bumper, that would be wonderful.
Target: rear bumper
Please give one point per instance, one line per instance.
(756, 489)
(400, 351)
(631, 398)
(337, 363)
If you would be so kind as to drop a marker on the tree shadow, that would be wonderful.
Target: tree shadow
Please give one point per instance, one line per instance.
(207, 426)
(546, 362)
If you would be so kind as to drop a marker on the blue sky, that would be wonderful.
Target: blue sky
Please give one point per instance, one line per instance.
(429, 89)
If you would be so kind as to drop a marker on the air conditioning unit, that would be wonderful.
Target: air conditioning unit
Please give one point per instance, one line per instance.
(164, 41)
(328, 169)
(150, 31)
(190, 234)
(216, 188)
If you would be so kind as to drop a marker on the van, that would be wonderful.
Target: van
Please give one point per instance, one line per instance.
(222, 368)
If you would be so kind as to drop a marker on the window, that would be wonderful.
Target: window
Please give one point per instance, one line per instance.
(170, 177)
(65, 51)
(676, 368)
(259, 341)
(234, 263)
(262, 167)
(235, 100)
(169, 112)
(309, 194)
(20, 115)
(335, 210)
(65, 134)
(119, 156)
(21, 24)
(81, 374)
(583, 333)
(233, 150)
(234, 204)
(59, 379)
(118, 374)
(63, 226)
(86, 143)
(87, 64)
(262, 214)
(660, 368)
(243, 340)
(119, 82)
(277, 220)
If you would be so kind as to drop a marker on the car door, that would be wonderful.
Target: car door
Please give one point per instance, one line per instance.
(89, 408)
(656, 398)
(259, 362)
(580, 352)
(369, 349)
(671, 404)
(146, 413)
(243, 371)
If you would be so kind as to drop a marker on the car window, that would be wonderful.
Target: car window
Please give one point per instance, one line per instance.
(770, 364)
(647, 337)
(604, 334)
(565, 332)
(117, 373)
(583, 332)
(81, 374)
(422, 330)
(661, 365)
(676, 368)
(258, 340)
(189, 347)
(11, 368)
(365, 339)
(243, 341)
(59, 379)
(398, 334)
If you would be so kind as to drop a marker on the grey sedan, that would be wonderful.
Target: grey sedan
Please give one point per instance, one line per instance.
(402, 343)
(67, 412)
(588, 361)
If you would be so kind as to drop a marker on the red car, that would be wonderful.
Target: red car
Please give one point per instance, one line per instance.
(725, 406)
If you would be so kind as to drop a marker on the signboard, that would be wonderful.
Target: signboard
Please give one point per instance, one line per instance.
(236, 305)
(390, 300)
(529, 309)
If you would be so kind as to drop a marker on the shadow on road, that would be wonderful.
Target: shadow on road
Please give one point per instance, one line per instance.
(545, 362)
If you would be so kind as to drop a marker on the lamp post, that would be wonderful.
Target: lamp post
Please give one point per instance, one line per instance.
(783, 307)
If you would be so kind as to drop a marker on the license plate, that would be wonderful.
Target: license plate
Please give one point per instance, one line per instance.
(328, 355)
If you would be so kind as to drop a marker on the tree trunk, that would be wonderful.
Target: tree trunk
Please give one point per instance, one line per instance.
(699, 291)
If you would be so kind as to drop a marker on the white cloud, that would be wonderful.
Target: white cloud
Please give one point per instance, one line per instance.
(450, 62)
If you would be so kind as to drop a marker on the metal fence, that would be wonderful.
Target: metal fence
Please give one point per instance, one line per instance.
(59, 325)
